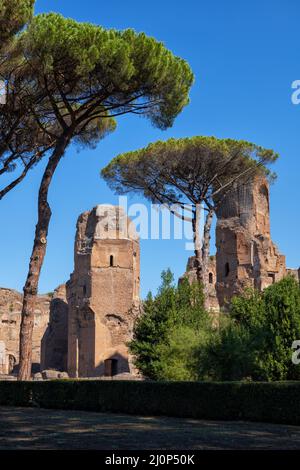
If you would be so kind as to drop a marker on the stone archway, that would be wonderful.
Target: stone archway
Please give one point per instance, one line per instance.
(11, 361)
(2, 358)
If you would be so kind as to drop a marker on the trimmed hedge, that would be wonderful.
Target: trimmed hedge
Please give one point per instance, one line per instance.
(274, 402)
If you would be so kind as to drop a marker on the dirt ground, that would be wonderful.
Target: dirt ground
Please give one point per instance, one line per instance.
(22, 428)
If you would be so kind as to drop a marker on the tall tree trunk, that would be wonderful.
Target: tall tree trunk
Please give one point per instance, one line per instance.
(36, 261)
(197, 243)
(205, 255)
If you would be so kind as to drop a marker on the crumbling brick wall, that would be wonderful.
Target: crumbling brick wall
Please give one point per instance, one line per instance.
(10, 319)
(246, 255)
(103, 293)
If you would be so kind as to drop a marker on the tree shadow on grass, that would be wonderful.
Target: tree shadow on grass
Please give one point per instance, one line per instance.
(27, 428)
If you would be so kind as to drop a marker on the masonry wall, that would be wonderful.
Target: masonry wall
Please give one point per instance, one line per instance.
(103, 294)
(10, 319)
(54, 342)
(246, 255)
(191, 275)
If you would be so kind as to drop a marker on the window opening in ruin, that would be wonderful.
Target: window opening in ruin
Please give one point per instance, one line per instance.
(264, 198)
(84, 290)
(11, 363)
(110, 367)
(111, 261)
(227, 269)
(211, 278)
(272, 276)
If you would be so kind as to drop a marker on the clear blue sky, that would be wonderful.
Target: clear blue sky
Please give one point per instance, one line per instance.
(245, 55)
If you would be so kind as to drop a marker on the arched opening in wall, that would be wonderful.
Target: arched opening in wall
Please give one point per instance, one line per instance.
(110, 367)
(227, 269)
(111, 261)
(264, 199)
(11, 363)
(211, 278)
(84, 290)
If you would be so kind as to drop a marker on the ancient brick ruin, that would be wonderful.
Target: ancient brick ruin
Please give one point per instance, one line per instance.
(103, 293)
(246, 255)
(85, 325)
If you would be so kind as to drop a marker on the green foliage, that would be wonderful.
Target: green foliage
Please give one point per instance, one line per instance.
(274, 402)
(282, 321)
(163, 170)
(66, 81)
(175, 340)
(249, 308)
(165, 335)
(14, 14)
(178, 358)
(122, 69)
(231, 353)
(256, 340)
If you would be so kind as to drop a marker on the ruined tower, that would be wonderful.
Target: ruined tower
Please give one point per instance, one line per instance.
(103, 293)
(246, 255)
(54, 343)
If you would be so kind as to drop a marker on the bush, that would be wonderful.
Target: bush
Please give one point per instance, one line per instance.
(174, 322)
(230, 354)
(255, 342)
(178, 355)
(269, 402)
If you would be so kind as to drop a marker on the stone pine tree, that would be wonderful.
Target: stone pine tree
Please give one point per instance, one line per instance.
(14, 14)
(90, 75)
(22, 142)
(189, 174)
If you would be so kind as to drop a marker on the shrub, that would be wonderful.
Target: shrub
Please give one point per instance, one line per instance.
(232, 353)
(166, 335)
(256, 340)
(269, 402)
(178, 357)
(174, 339)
